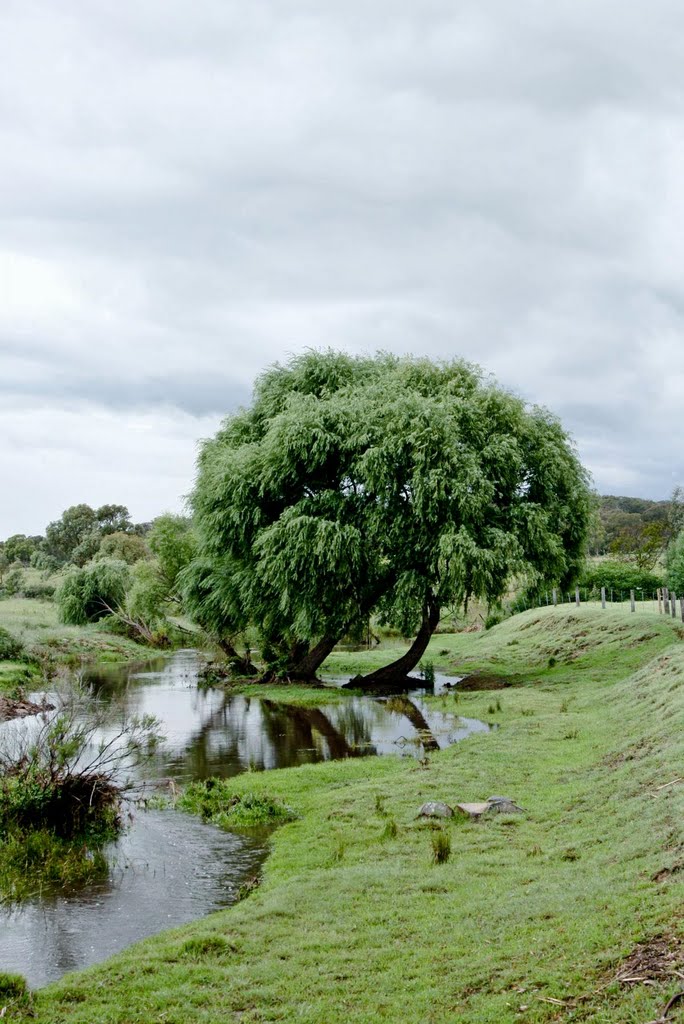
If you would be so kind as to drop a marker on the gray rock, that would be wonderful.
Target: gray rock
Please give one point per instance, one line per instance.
(502, 805)
(473, 810)
(435, 809)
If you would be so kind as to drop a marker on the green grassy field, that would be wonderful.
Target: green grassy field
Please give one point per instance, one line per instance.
(537, 917)
(50, 643)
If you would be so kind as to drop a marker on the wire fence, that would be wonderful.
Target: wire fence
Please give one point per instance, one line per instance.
(661, 601)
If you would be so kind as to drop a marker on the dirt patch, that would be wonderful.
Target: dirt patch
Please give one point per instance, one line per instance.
(665, 873)
(644, 638)
(11, 708)
(659, 959)
(631, 753)
(487, 681)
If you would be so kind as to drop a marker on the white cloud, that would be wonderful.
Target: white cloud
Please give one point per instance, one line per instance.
(187, 194)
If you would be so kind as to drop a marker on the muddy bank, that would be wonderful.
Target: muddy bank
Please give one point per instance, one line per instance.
(488, 681)
(11, 707)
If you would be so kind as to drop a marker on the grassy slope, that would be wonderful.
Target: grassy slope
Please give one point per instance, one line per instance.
(35, 624)
(353, 927)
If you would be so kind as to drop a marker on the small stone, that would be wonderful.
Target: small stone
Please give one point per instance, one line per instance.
(435, 809)
(502, 805)
(473, 810)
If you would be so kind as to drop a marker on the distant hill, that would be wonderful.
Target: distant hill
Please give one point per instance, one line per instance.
(621, 517)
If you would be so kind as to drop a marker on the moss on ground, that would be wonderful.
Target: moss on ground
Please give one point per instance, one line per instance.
(533, 918)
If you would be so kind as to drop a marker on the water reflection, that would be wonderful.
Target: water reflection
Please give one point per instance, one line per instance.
(210, 732)
(166, 870)
(170, 868)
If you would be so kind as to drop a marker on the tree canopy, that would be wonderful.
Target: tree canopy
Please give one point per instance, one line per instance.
(89, 593)
(377, 485)
(76, 536)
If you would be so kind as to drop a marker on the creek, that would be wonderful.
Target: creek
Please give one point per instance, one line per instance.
(169, 868)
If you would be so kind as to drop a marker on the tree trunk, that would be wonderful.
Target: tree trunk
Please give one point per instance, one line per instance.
(397, 672)
(241, 666)
(403, 706)
(307, 666)
(314, 719)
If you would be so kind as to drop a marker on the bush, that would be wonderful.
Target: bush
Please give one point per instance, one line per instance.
(494, 618)
(621, 576)
(90, 593)
(11, 649)
(124, 547)
(215, 801)
(62, 778)
(13, 583)
(39, 591)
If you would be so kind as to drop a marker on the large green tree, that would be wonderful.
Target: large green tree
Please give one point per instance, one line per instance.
(20, 548)
(392, 486)
(77, 534)
(63, 536)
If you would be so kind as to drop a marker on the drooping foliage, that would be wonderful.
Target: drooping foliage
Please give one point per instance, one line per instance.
(389, 485)
(172, 542)
(155, 588)
(90, 593)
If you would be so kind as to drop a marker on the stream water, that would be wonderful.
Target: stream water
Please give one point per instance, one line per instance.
(169, 868)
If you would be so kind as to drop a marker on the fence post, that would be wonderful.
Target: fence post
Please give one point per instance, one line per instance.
(666, 600)
(674, 605)
(631, 600)
(603, 597)
(577, 597)
(681, 607)
(660, 597)
(555, 597)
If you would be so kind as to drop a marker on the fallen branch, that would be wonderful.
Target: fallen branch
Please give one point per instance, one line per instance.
(667, 784)
(664, 1015)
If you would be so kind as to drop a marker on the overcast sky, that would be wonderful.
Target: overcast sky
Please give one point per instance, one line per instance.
(191, 191)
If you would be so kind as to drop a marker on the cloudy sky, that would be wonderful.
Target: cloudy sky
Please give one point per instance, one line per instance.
(191, 191)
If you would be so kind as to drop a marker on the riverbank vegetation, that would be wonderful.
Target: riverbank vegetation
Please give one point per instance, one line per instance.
(44, 646)
(570, 911)
(62, 780)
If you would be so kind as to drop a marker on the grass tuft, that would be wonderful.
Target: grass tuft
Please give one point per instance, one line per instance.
(216, 801)
(391, 830)
(441, 847)
(199, 947)
(12, 986)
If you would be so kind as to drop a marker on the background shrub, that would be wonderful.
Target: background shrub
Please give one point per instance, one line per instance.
(623, 576)
(11, 649)
(88, 594)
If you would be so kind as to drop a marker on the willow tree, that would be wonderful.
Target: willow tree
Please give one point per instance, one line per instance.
(386, 486)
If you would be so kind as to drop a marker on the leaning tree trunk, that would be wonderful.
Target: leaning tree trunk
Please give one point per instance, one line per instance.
(306, 667)
(403, 706)
(397, 672)
(241, 666)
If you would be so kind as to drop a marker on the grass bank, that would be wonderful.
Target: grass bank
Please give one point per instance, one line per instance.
(47, 643)
(539, 917)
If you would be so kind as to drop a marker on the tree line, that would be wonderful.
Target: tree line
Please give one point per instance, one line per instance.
(353, 488)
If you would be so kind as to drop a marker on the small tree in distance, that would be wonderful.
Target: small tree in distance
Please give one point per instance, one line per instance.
(391, 486)
(88, 594)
